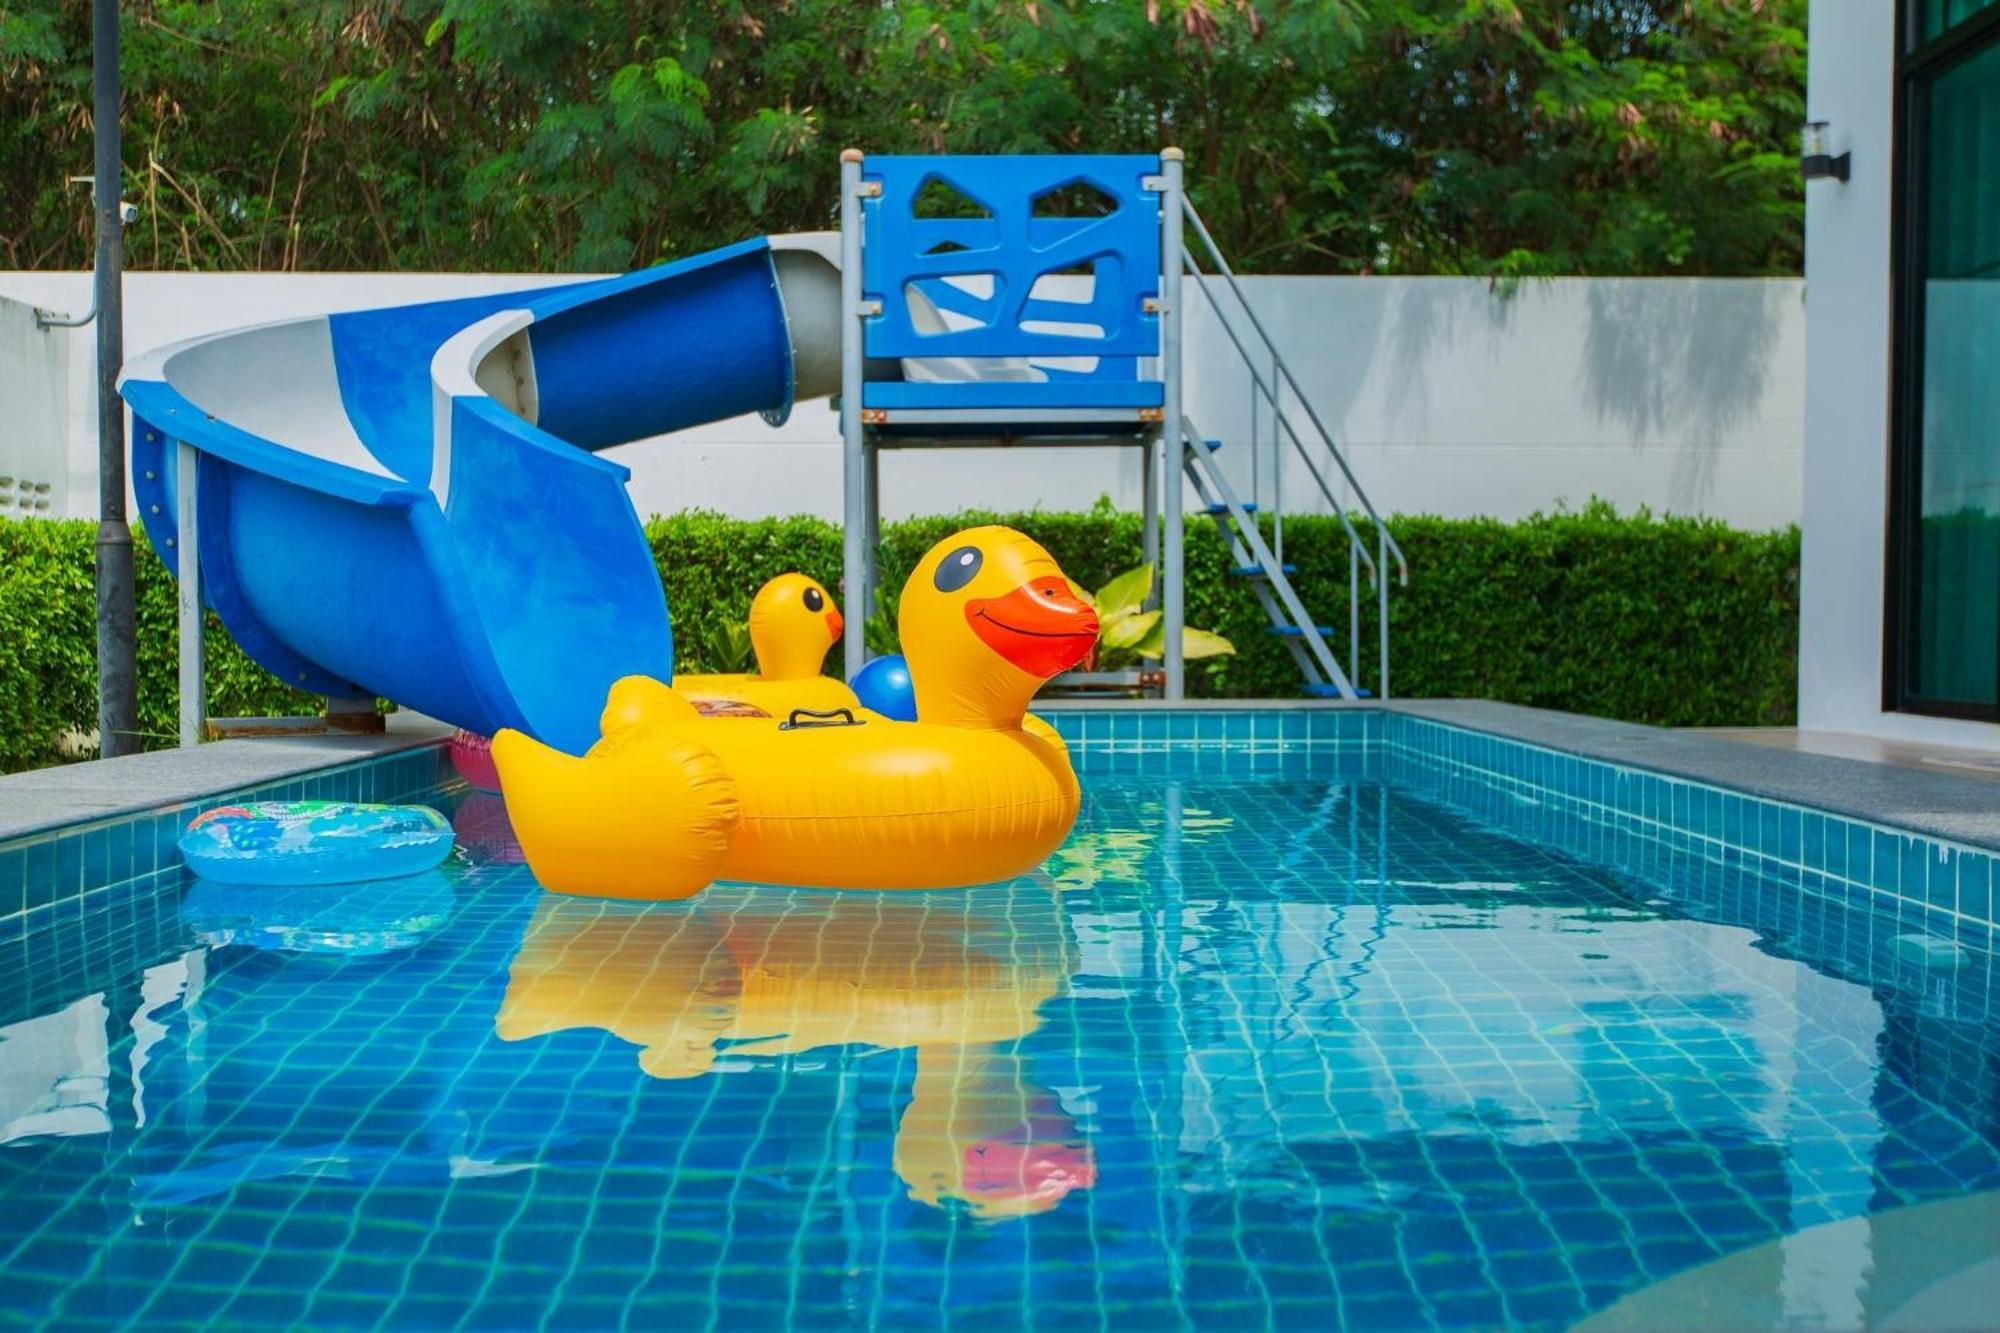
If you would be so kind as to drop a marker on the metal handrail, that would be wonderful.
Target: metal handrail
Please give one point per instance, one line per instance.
(1281, 420)
(1252, 542)
(1281, 368)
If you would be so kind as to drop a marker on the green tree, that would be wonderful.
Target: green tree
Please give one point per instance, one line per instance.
(1416, 136)
(1594, 136)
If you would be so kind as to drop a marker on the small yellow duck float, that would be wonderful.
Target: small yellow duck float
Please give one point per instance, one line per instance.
(669, 800)
(793, 621)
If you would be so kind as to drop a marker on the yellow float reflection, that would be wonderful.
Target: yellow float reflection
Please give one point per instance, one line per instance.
(959, 977)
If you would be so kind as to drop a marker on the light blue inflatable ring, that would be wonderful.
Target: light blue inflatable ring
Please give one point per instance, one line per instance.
(314, 842)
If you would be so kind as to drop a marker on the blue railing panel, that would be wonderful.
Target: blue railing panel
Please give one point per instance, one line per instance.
(1002, 255)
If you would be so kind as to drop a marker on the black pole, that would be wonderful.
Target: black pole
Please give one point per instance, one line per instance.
(117, 684)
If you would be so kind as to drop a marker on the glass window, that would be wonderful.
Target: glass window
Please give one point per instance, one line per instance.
(1953, 392)
(1937, 16)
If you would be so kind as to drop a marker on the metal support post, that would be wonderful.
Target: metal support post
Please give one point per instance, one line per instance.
(871, 573)
(187, 575)
(1149, 514)
(1173, 582)
(117, 677)
(1382, 602)
(854, 470)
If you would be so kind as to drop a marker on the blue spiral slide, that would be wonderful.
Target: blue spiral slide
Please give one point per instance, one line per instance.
(407, 502)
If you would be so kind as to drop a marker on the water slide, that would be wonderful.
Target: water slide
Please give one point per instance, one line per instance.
(408, 502)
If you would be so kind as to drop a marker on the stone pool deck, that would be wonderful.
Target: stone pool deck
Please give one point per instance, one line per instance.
(50, 798)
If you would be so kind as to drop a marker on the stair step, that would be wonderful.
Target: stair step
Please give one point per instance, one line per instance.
(1324, 691)
(1294, 632)
(1220, 510)
(1257, 571)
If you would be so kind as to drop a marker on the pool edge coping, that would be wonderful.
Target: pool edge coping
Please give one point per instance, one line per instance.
(1938, 805)
(66, 796)
(1941, 806)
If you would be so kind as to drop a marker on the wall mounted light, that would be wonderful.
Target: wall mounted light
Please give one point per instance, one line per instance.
(1815, 162)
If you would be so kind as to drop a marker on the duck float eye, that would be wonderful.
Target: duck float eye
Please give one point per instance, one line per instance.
(957, 569)
(815, 600)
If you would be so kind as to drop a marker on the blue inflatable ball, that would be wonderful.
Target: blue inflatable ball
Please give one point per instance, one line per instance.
(883, 686)
(314, 842)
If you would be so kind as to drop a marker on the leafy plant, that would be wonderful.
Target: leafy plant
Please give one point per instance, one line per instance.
(879, 631)
(726, 647)
(1126, 630)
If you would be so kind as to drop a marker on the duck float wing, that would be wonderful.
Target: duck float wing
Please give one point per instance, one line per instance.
(650, 812)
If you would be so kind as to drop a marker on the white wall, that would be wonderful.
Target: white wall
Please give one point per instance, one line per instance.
(34, 380)
(162, 308)
(1685, 395)
(1850, 84)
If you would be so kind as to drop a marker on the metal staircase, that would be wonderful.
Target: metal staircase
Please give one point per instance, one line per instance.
(1277, 406)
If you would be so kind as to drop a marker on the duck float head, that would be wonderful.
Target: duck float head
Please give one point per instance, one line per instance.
(971, 793)
(793, 621)
(986, 617)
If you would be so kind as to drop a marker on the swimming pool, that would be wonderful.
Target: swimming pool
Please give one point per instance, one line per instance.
(1320, 1019)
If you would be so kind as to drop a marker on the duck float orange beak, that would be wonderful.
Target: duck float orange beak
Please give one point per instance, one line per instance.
(1042, 630)
(972, 792)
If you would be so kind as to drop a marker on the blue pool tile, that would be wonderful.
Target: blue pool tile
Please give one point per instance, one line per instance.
(1839, 839)
(68, 878)
(1941, 891)
(1887, 874)
(123, 863)
(1791, 823)
(39, 871)
(1915, 856)
(13, 880)
(1975, 881)
(96, 858)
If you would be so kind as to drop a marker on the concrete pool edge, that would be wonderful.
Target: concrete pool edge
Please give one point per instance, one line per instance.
(45, 800)
(1937, 805)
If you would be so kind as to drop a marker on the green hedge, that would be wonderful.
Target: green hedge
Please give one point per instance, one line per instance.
(48, 648)
(1679, 622)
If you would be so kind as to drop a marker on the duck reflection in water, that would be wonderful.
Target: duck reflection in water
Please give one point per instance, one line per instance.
(758, 972)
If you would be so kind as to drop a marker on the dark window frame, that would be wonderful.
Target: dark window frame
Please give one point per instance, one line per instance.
(1918, 65)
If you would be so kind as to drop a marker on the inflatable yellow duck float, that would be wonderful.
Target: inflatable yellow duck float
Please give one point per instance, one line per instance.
(793, 621)
(960, 982)
(669, 800)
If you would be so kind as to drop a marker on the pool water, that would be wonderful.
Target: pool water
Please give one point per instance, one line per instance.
(1299, 1050)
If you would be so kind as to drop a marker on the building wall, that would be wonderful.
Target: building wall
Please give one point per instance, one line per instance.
(34, 384)
(1850, 84)
(1453, 398)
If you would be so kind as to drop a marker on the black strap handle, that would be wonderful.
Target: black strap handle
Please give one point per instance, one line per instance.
(832, 717)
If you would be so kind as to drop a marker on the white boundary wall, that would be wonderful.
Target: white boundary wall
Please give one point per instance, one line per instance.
(1686, 395)
(34, 412)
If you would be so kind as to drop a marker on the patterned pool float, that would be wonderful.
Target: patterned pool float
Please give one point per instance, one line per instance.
(314, 842)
